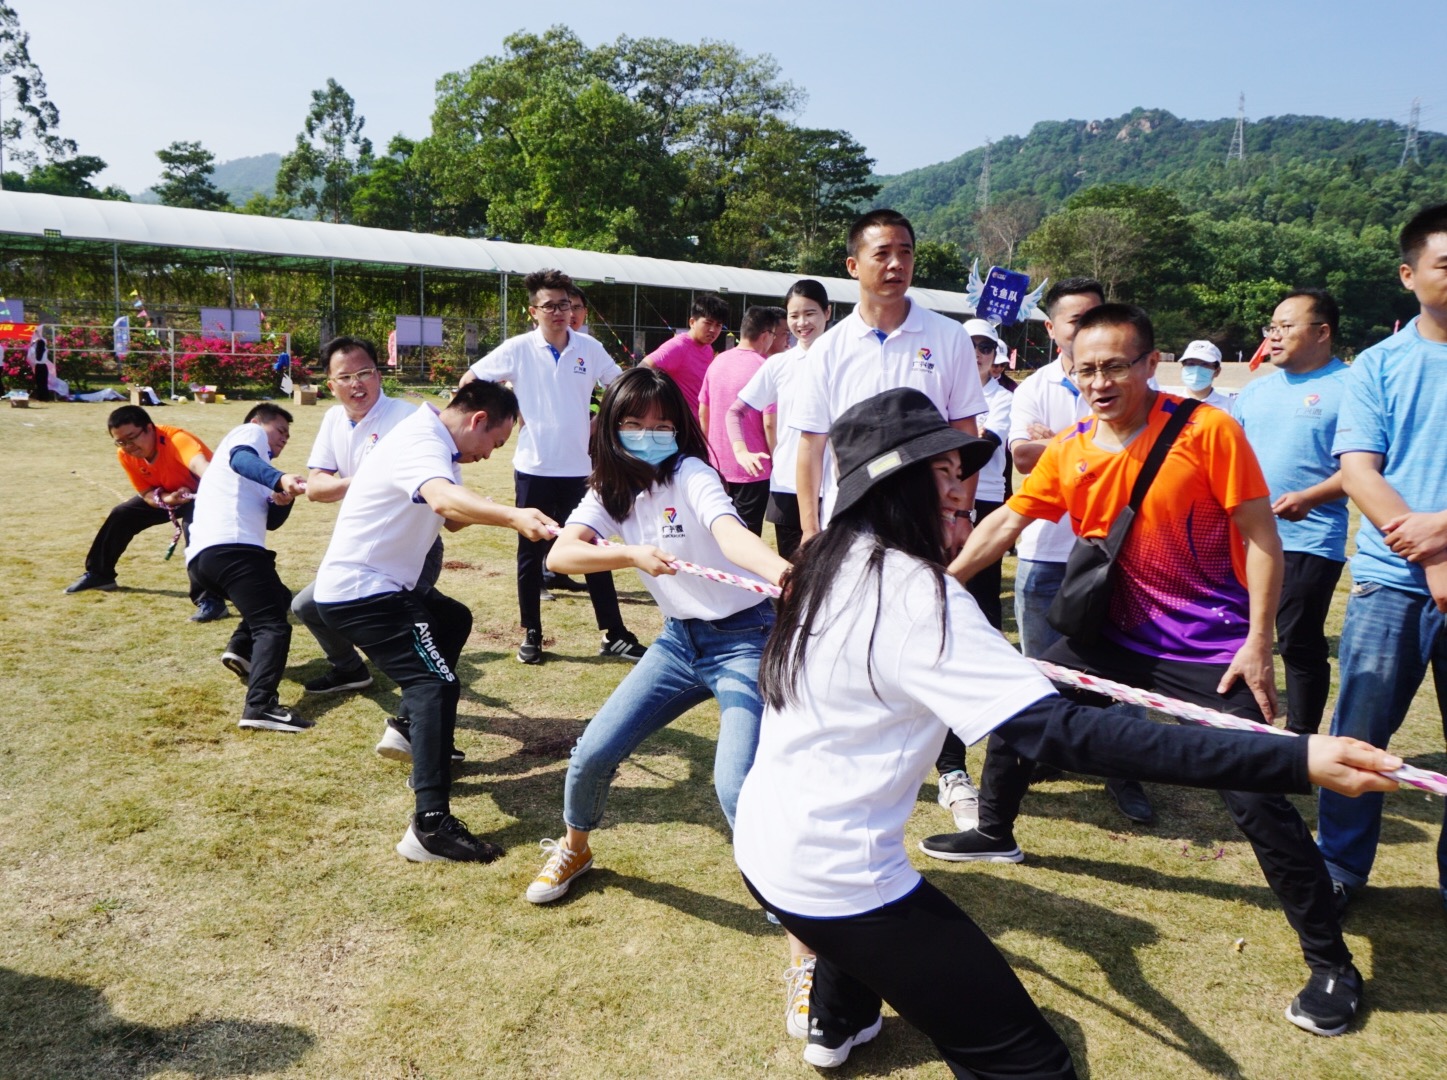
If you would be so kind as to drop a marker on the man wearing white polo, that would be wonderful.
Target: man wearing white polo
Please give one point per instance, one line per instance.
(553, 371)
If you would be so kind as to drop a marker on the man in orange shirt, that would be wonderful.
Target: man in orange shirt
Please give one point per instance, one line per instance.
(1192, 612)
(164, 465)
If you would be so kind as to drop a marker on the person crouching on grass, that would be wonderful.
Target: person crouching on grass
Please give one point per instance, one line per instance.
(876, 653)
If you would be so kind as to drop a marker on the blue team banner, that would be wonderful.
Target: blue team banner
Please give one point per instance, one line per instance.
(1001, 296)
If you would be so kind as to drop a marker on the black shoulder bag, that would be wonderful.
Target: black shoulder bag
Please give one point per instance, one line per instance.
(1081, 606)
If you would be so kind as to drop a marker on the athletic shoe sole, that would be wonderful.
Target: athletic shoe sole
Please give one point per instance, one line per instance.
(831, 1057)
(1013, 856)
(547, 895)
(261, 723)
(411, 849)
(237, 664)
(1306, 1023)
(394, 747)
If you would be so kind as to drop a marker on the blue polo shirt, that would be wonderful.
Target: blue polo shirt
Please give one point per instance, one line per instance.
(1291, 421)
(1396, 405)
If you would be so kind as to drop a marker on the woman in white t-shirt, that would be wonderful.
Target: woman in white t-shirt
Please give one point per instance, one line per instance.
(807, 305)
(652, 485)
(876, 651)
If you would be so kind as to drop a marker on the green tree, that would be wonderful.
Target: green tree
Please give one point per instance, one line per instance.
(330, 158)
(28, 118)
(186, 178)
(71, 176)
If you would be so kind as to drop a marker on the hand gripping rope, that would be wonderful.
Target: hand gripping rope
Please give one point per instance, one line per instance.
(175, 521)
(1410, 775)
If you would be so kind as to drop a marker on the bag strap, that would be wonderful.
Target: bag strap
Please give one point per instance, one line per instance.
(1162, 447)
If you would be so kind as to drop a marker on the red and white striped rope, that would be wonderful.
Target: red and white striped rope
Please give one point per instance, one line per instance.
(1423, 779)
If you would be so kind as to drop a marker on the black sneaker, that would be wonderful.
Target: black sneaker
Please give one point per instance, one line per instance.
(563, 583)
(439, 837)
(396, 741)
(238, 665)
(274, 718)
(88, 580)
(622, 645)
(1044, 774)
(829, 1052)
(1328, 1002)
(337, 680)
(531, 650)
(1132, 800)
(209, 609)
(973, 846)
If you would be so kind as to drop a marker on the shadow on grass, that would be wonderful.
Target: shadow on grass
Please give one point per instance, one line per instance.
(1404, 926)
(729, 914)
(1108, 938)
(1143, 877)
(54, 1027)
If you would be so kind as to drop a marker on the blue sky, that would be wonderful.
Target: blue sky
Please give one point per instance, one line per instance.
(916, 81)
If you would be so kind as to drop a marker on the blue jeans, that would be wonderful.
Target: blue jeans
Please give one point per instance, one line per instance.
(1036, 584)
(1388, 641)
(689, 662)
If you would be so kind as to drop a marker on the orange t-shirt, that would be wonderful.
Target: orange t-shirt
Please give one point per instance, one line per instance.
(170, 471)
(1181, 590)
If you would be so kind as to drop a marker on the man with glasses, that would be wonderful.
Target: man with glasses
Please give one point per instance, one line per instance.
(1290, 417)
(1191, 613)
(349, 431)
(164, 465)
(553, 372)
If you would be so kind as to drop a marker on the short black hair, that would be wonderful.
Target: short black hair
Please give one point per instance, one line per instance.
(128, 414)
(539, 280)
(1121, 315)
(495, 399)
(578, 295)
(1323, 308)
(1073, 286)
(710, 306)
(1414, 236)
(758, 319)
(267, 410)
(880, 217)
(346, 344)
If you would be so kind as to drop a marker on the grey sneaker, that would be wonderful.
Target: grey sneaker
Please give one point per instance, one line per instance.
(960, 798)
(531, 650)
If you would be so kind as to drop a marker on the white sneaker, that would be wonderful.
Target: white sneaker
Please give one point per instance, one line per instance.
(800, 979)
(564, 866)
(961, 799)
(823, 1055)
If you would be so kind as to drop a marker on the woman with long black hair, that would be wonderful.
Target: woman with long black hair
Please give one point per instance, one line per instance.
(875, 653)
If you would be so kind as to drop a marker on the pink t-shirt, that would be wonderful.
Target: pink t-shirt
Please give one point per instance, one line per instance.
(726, 376)
(684, 361)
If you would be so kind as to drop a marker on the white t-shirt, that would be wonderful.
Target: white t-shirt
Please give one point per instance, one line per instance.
(1221, 400)
(773, 384)
(385, 527)
(820, 824)
(991, 487)
(678, 517)
(850, 364)
(341, 445)
(553, 391)
(1047, 397)
(230, 509)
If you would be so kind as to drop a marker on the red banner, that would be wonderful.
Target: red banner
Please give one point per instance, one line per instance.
(16, 331)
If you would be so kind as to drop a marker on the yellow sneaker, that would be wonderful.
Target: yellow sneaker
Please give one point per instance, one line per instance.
(563, 867)
(800, 980)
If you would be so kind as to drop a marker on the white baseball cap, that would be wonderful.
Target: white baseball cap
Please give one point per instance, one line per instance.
(980, 328)
(1202, 350)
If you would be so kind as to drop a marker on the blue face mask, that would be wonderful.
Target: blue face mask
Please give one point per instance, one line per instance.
(654, 447)
(1196, 378)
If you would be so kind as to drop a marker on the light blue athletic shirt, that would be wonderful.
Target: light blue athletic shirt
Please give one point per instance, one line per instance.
(1396, 405)
(1291, 421)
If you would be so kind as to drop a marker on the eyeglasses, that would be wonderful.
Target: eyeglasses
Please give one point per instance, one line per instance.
(355, 378)
(1113, 372)
(663, 428)
(131, 439)
(556, 307)
(985, 345)
(1282, 329)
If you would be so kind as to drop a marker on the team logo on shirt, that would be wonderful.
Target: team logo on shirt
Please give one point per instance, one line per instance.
(1312, 400)
(1310, 406)
(923, 360)
(672, 528)
(581, 367)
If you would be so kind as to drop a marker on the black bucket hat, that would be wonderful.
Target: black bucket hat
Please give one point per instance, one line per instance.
(880, 436)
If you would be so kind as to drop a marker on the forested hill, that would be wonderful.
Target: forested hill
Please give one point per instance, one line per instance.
(1147, 147)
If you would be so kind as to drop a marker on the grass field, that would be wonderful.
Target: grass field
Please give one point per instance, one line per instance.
(184, 899)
